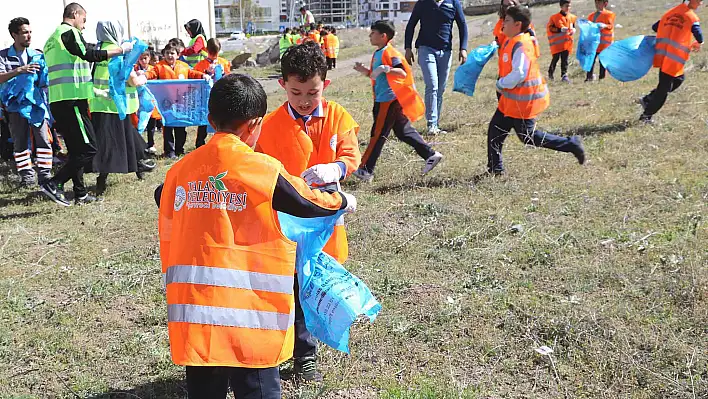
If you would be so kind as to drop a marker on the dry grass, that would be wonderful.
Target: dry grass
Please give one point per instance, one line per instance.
(605, 263)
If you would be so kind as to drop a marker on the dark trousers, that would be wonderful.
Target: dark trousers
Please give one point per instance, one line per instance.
(152, 125)
(72, 120)
(201, 136)
(603, 71)
(331, 63)
(204, 382)
(563, 57)
(173, 139)
(387, 116)
(501, 125)
(305, 344)
(657, 97)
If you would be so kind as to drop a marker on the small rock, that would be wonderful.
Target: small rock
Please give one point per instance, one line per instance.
(544, 350)
(517, 228)
(450, 300)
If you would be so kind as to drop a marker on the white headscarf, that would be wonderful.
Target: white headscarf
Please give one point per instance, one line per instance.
(109, 32)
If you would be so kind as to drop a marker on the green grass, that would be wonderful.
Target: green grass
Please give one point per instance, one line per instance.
(605, 263)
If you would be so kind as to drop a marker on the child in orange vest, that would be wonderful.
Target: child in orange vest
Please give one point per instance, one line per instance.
(316, 139)
(146, 62)
(170, 67)
(227, 266)
(606, 19)
(331, 48)
(560, 30)
(676, 31)
(396, 102)
(207, 66)
(523, 96)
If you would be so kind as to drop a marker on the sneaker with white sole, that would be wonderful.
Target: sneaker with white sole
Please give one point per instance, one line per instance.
(432, 162)
(54, 193)
(151, 150)
(363, 175)
(435, 130)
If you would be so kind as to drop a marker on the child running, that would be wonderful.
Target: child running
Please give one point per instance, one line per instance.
(396, 102)
(524, 95)
(208, 66)
(316, 139)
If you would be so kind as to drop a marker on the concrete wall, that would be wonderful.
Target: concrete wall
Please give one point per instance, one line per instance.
(155, 21)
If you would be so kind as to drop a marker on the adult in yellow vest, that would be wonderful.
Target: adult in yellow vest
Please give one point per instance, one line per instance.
(524, 95)
(286, 41)
(229, 269)
(120, 148)
(675, 35)
(70, 87)
(196, 50)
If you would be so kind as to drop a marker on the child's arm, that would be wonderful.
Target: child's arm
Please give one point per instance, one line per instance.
(348, 151)
(294, 197)
(136, 80)
(192, 74)
(520, 65)
(152, 73)
(198, 46)
(359, 67)
(165, 221)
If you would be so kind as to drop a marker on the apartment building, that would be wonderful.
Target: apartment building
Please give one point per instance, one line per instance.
(393, 10)
(327, 12)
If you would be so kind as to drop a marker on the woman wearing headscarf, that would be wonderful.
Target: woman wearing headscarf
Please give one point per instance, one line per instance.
(120, 149)
(196, 51)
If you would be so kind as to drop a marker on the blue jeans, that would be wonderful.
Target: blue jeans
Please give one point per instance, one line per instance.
(435, 65)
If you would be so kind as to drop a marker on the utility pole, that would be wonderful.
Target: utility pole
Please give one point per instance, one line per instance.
(240, 14)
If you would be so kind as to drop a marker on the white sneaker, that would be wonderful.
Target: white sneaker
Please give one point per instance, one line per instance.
(432, 162)
(434, 131)
(363, 175)
(151, 150)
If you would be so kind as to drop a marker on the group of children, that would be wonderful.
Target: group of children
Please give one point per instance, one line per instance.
(325, 36)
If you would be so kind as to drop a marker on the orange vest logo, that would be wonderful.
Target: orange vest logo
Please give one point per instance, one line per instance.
(210, 194)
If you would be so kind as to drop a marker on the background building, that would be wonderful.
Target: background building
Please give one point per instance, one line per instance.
(393, 10)
(262, 14)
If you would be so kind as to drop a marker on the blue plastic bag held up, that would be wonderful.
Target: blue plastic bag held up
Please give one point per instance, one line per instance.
(629, 59)
(182, 102)
(23, 94)
(119, 69)
(467, 74)
(147, 105)
(588, 43)
(331, 297)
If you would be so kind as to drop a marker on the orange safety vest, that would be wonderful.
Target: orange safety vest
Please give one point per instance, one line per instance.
(162, 70)
(404, 88)
(331, 44)
(674, 39)
(501, 37)
(607, 35)
(314, 35)
(204, 64)
(228, 267)
(530, 97)
(284, 139)
(560, 41)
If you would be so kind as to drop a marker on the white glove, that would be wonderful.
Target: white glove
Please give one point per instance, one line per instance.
(602, 26)
(207, 77)
(126, 47)
(100, 93)
(322, 174)
(351, 202)
(379, 70)
(564, 30)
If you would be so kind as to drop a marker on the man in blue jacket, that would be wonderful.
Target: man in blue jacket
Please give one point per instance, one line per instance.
(434, 44)
(14, 61)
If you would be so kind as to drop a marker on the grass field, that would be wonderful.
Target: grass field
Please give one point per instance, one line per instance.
(604, 263)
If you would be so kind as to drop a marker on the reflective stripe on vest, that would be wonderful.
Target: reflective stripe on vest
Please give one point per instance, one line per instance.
(672, 56)
(524, 97)
(69, 76)
(230, 278)
(229, 317)
(672, 43)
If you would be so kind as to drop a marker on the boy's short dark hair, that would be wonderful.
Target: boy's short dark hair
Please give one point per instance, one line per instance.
(213, 46)
(333, 31)
(520, 14)
(236, 98)
(384, 26)
(304, 61)
(15, 24)
(177, 43)
(169, 47)
(564, 2)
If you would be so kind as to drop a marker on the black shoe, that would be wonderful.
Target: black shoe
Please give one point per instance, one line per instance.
(646, 119)
(146, 165)
(643, 102)
(306, 370)
(171, 155)
(53, 193)
(579, 151)
(85, 199)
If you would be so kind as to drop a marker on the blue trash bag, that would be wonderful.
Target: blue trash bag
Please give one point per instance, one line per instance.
(588, 42)
(147, 105)
(331, 297)
(25, 95)
(119, 70)
(467, 74)
(182, 102)
(629, 59)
